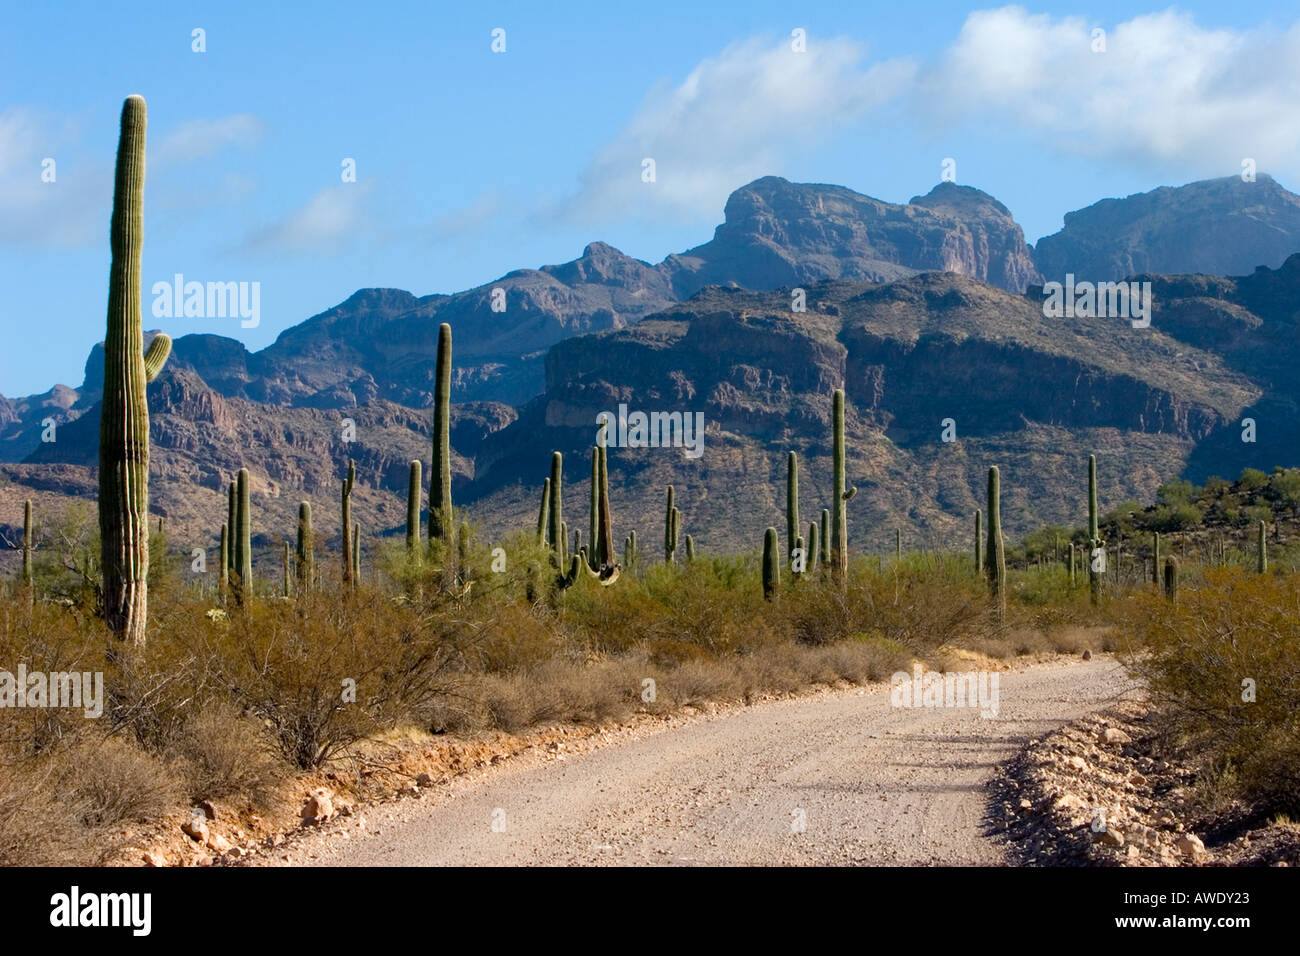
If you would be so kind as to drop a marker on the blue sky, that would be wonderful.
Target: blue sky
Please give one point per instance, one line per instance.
(472, 163)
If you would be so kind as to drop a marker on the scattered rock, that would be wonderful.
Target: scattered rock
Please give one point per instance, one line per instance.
(1087, 655)
(1113, 735)
(218, 844)
(196, 828)
(423, 780)
(1189, 844)
(208, 809)
(319, 808)
(154, 858)
(1110, 837)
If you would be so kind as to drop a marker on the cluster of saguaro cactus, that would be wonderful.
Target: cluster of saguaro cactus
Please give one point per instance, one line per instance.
(840, 493)
(997, 560)
(672, 524)
(305, 547)
(124, 416)
(1261, 549)
(771, 564)
(346, 523)
(441, 521)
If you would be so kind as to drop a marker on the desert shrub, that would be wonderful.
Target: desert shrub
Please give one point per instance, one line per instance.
(225, 753)
(1236, 627)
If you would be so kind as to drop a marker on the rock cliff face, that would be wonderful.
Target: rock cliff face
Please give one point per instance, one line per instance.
(779, 233)
(1216, 227)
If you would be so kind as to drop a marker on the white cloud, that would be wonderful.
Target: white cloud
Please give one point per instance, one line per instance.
(73, 210)
(325, 223)
(70, 211)
(736, 117)
(466, 219)
(1167, 96)
(1165, 91)
(201, 138)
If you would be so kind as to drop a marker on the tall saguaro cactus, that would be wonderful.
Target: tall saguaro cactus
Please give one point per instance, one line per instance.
(813, 558)
(771, 564)
(414, 490)
(288, 584)
(979, 544)
(559, 531)
(791, 502)
(223, 570)
(997, 559)
(826, 539)
(1171, 579)
(305, 547)
(672, 519)
(124, 418)
(593, 527)
(544, 512)
(27, 543)
(243, 539)
(1155, 558)
(441, 524)
(232, 509)
(1261, 549)
(356, 553)
(347, 521)
(604, 543)
(840, 494)
(1094, 534)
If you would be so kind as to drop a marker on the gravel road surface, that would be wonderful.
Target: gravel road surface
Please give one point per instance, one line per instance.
(835, 777)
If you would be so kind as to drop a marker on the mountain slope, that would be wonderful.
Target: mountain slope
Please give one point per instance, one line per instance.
(1216, 227)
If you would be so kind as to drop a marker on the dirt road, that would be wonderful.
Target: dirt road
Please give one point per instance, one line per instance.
(840, 777)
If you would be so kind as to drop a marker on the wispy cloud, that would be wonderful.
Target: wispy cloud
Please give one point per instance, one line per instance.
(328, 222)
(736, 116)
(467, 219)
(1167, 95)
(72, 211)
(202, 138)
(1165, 90)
